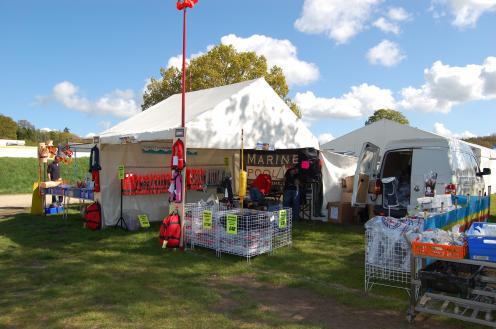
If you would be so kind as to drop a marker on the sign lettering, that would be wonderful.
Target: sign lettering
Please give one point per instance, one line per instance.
(283, 218)
(207, 219)
(120, 171)
(232, 224)
(144, 222)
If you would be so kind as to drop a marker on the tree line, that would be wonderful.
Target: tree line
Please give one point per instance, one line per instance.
(25, 130)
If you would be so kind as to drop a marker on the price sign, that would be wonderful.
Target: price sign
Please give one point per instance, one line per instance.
(207, 219)
(232, 224)
(120, 171)
(283, 218)
(144, 222)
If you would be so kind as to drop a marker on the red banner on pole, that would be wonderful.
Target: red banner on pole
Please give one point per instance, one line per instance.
(186, 3)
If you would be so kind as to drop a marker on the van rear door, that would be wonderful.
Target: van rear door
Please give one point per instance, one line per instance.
(426, 162)
(365, 172)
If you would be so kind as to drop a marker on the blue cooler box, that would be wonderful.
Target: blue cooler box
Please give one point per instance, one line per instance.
(482, 247)
(50, 211)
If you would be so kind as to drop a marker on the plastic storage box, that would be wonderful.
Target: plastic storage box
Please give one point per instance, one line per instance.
(482, 247)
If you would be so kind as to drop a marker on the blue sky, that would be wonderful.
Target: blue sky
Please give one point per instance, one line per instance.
(84, 64)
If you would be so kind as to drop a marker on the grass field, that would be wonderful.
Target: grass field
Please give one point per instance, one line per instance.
(19, 174)
(55, 274)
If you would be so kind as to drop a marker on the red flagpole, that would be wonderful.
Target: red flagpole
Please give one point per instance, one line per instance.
(184, 71)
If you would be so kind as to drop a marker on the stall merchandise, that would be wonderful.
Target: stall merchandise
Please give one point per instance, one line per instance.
(389, 241)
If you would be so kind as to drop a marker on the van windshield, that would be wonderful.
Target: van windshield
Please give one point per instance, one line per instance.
(397, 164)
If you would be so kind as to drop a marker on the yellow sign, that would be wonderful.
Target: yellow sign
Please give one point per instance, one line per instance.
(120, 171)
(207, 219)
(232, 224)
(283, 218)
(226, 161)
(143, 219)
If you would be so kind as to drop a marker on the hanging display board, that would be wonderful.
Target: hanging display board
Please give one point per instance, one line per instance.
(120, 171)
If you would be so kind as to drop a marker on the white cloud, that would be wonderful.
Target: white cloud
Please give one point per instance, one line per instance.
(466, 12)
(440, 129)
(361, 101)
(177, 61)
(105, 124)
(47, 130)
(447, 86)
(339, 20)
(398, 14)
(325, 137)
(385, 53)
(277, 52)
(119, 103)
(386, 26)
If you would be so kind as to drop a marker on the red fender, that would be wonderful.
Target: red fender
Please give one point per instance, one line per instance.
(178, 152)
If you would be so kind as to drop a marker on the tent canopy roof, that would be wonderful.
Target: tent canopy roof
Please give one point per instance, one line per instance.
(215, 117)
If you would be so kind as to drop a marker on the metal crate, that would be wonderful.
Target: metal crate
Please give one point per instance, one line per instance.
(242, 232)
(245, 232)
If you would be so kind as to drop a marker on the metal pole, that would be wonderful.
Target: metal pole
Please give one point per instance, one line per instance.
(184, 71)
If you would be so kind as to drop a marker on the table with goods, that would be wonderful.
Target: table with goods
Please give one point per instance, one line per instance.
(443, 254)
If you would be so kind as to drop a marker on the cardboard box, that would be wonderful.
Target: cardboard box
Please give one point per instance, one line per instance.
(346, 197)
(347, 184)
(340, 213)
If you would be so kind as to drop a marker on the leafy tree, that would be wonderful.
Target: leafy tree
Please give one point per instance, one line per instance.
(387, 114)
(222, 65)
(26, 131)
(25, 124)
(486, 141)
(8, 127)
(67, 130)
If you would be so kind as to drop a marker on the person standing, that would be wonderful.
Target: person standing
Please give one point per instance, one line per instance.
(53, 171)
(291, 191)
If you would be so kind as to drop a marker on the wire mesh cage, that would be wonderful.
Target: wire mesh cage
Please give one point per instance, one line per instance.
(388, 252)
(245, 232)
(387, 261)
(200, 225)
(242, 232)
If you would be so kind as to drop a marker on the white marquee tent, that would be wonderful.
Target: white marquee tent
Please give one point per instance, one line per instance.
(214, 119)
(384, 131)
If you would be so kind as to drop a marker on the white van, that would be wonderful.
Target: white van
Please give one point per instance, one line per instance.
(420, 166)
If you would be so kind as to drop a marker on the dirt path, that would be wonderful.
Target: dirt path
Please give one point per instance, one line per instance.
(299, 305)
(15, 201)
(11, 204)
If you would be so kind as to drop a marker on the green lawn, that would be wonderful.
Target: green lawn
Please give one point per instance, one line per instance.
(55, 274)
(19, 174)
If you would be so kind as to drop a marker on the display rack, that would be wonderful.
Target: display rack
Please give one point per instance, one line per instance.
(478, 307)
(387, 261)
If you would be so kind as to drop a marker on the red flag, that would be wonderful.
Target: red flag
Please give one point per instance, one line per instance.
(186, 3)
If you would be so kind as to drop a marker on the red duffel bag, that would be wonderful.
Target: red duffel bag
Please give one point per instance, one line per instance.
(93, 216)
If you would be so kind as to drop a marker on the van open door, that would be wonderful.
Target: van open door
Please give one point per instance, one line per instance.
(365, 172)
